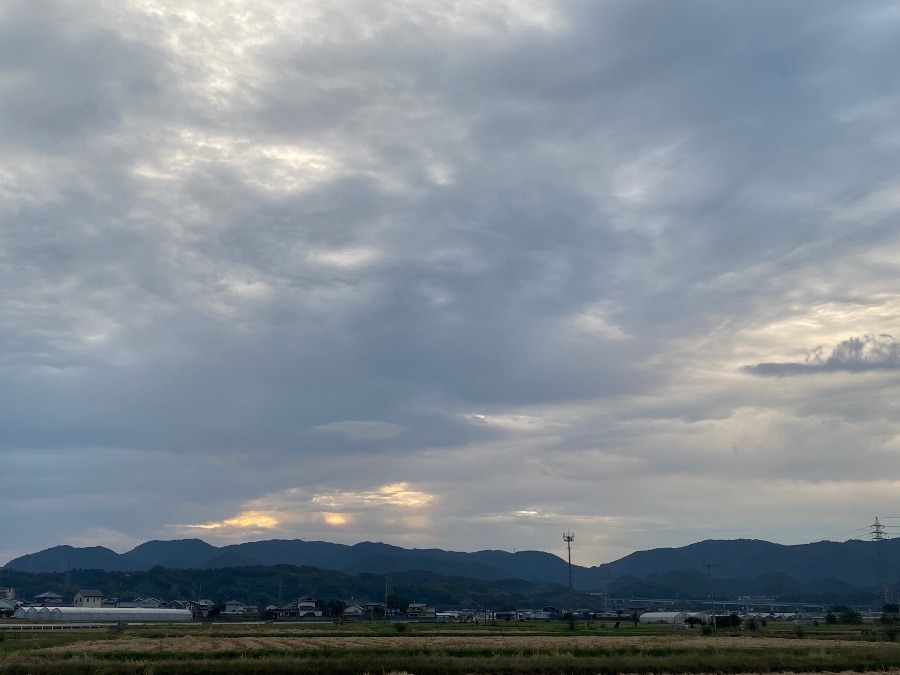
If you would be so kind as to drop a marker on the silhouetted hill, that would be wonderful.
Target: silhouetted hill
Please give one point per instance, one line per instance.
(321, 554)
(229, 559)
(769, 568)
(180, 553)
(62, 558)
(852, 561)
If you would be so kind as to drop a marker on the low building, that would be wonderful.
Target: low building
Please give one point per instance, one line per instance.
(201, 609)
(233, 607)
(307, 608)
(419, 609)
(354, 612)
(48, 599)
(7, 607)
(90, 597)
(302, 608)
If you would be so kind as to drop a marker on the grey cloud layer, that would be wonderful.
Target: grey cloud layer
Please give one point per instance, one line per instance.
(315, 241)
(860, 354)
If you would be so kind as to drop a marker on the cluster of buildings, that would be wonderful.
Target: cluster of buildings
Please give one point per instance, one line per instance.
(92, 605)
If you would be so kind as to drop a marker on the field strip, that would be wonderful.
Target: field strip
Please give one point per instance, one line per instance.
(212, 643)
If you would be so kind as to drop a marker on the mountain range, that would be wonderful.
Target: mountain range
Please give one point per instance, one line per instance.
(849, 563)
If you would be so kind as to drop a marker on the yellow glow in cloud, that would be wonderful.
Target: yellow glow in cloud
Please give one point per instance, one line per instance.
(395, 494)
(248, 519)
(335, 519)
(399, 494)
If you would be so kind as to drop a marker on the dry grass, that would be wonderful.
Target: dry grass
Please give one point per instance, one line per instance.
(439, 651)
(212, 643)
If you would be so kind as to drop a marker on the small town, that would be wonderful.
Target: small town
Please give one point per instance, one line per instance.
(90, 606)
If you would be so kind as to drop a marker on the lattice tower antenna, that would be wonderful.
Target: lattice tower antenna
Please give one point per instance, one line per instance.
(712, 597)
(569, 537)
(607, 607)
(883, 593)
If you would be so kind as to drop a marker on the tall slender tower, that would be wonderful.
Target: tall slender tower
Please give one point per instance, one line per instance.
(882, 588)
(569, 537)
(712, 597)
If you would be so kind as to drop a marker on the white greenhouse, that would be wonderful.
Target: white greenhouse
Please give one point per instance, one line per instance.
(95, 614)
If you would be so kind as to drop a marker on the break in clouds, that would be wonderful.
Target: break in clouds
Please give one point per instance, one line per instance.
(454, 274)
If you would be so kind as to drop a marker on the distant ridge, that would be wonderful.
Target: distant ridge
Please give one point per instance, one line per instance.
(844, 563)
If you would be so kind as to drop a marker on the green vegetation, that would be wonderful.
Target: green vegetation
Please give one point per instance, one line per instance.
(261, 585)
(423, 649)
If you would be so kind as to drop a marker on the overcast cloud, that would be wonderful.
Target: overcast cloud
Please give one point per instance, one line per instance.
(460, 274)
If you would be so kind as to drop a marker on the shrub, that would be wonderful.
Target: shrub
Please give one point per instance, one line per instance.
(850, 616)
(707, 630)
(401, 627)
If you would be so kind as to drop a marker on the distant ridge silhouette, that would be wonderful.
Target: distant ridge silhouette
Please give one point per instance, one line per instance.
(851, 562)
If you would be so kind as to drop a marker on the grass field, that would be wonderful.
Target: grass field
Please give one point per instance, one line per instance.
(421, 649)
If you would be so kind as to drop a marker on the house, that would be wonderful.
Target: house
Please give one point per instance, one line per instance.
(354, 612)
(238, 607)
(7, 607)
(419, 609)
(88, 598)
(8, 593)
(48, 599)
(200, 609)
(302, 608)
(307, 607)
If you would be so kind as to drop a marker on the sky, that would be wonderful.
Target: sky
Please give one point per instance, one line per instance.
(455, 273)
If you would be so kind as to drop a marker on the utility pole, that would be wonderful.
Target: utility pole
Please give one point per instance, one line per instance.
(712, 598)
(569, 537)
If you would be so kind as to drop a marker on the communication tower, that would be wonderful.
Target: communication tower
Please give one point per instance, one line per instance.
(569, 537)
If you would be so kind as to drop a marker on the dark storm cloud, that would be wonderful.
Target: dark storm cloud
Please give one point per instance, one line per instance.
(859, 354)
